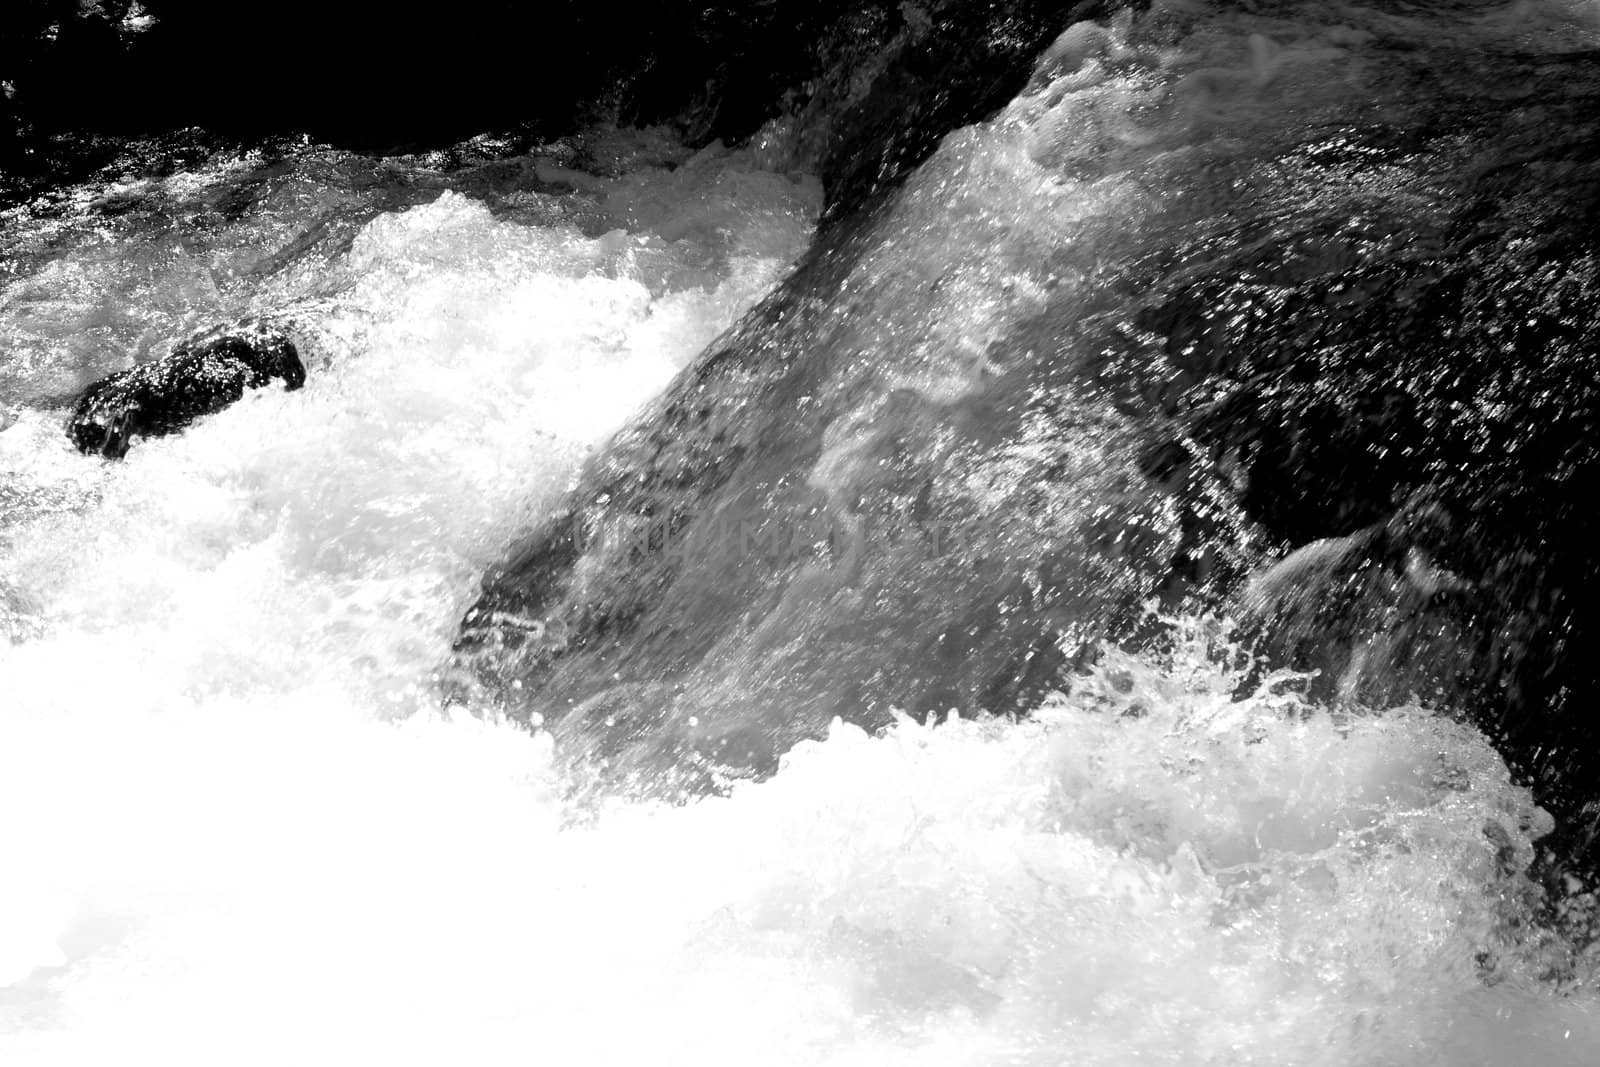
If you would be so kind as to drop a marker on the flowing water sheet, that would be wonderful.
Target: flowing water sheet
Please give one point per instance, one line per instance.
(237, 825)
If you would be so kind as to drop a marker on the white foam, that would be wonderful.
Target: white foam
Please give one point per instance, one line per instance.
(461, 364)
(232, 830)
(1202, 881)
(216, 628)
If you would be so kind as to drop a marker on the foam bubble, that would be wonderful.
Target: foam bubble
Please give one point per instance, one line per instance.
(233, 828)
(1148, 871)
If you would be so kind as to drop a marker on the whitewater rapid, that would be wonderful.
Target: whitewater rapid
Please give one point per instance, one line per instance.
(237, 825)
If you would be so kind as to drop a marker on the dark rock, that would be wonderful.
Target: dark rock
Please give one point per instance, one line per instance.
(1402, 393)
(199, 377)
(1368, 347)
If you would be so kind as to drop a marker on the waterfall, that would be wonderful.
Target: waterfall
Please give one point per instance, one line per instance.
(1023, 535)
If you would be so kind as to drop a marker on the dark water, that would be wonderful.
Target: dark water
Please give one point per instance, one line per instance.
(1209, 430)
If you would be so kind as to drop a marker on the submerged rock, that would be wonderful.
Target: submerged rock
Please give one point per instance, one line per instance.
(199, 377)
(1148, 332)
(1410, 312)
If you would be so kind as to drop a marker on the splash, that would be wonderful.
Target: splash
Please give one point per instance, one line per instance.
(311, 551)
(236, 826)
(1148, 870)
(461, 363)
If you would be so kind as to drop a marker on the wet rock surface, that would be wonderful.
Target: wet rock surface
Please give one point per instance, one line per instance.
(163, 396)
(1378, 338)
(1430, 374)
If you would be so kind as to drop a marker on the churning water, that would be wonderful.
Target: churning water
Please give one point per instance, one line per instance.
(237, 826)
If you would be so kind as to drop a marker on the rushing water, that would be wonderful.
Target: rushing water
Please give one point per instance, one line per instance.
(237, 825)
